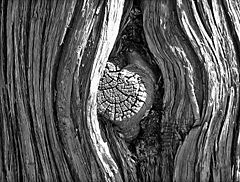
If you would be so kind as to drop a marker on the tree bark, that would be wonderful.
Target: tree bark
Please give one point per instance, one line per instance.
(52, 57)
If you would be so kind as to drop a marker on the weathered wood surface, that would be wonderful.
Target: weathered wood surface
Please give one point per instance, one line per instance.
(52, 56)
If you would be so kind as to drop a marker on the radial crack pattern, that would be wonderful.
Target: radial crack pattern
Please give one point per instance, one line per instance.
(121, 93)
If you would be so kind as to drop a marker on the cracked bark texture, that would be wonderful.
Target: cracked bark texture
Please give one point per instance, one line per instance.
(52, 57)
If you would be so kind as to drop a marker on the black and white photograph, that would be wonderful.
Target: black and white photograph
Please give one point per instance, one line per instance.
(120, 91)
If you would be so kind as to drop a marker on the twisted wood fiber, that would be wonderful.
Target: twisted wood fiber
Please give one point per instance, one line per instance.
(51, 56)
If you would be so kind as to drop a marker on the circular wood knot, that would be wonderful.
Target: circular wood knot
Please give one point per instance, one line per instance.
(124, 95)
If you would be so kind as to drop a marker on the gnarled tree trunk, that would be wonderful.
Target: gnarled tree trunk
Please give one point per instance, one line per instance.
(114, 90)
